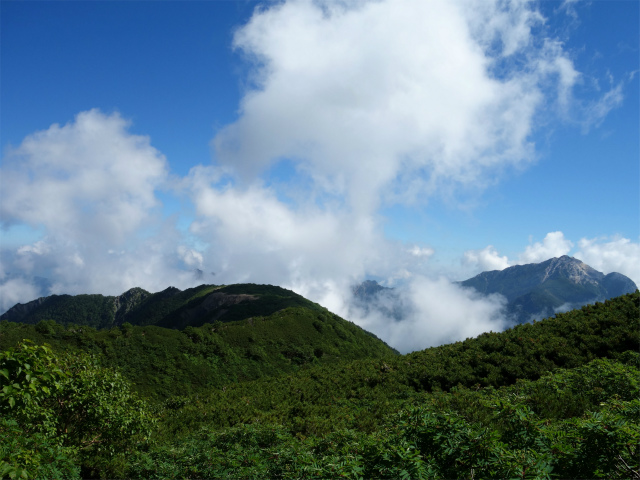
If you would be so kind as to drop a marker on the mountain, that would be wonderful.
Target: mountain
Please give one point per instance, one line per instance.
(170, 308)
(180, 342)
(557, 396)
(368, 290)
(370, 295)
(537, 290)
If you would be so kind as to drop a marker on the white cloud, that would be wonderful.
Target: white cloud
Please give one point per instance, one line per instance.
(553, 245)
(92, 186)
(437, 311)
(485, 259)
(594, 113)
(253, 235)
(16, 290)
(611, 255)
(421, 252)
(390, 100)
(87, 180)
(190, 257)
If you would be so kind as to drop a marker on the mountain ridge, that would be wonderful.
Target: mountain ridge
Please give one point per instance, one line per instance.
(170, 308)
(540, 289)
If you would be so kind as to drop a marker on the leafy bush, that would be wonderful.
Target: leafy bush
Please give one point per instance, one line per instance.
(70, 405)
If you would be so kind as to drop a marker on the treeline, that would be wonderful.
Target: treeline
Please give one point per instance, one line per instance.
(555, 399)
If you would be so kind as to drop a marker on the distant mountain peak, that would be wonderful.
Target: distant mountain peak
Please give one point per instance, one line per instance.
(541, 289)
(367, 289)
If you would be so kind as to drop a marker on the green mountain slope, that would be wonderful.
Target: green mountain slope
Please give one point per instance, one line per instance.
(164, 362)
(553, 399)
(171, 308)
(359, 394)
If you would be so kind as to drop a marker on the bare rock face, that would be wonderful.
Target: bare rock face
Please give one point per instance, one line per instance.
(573, 270)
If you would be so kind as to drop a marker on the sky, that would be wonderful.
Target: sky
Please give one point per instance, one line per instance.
(316, 144)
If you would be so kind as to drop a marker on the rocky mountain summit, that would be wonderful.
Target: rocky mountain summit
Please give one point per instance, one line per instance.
(537, 290)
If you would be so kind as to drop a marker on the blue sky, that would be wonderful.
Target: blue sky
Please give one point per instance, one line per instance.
(313, 144)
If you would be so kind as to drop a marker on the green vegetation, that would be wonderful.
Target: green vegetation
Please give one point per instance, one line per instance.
(63, 410)
(93, 310)
(162, 363)
(504, 433)
(170, 308)
(554, 399)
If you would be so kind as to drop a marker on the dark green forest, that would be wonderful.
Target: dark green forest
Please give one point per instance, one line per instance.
(292, 391)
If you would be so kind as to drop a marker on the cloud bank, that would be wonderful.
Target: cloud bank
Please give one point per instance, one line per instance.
(371, 103)
(391, 101)
(93, 186)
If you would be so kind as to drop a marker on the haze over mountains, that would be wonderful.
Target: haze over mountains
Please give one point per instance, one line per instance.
(517, 294)
(532, 291)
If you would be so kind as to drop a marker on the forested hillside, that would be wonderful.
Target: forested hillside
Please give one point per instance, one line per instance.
(553, 399)
(162, 362)
(170, 308)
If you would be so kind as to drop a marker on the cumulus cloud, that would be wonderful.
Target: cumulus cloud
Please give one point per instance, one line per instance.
(485, 259)
(253, 235)
(391, 100)
(611, 255)
(553, 245)
(190, 257)
(92, 185)
(373, 102)
(84, 181)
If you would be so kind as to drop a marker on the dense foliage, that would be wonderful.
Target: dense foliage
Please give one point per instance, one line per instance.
(67, 406)
(488, 433)
(554, 399)
(162, 363)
